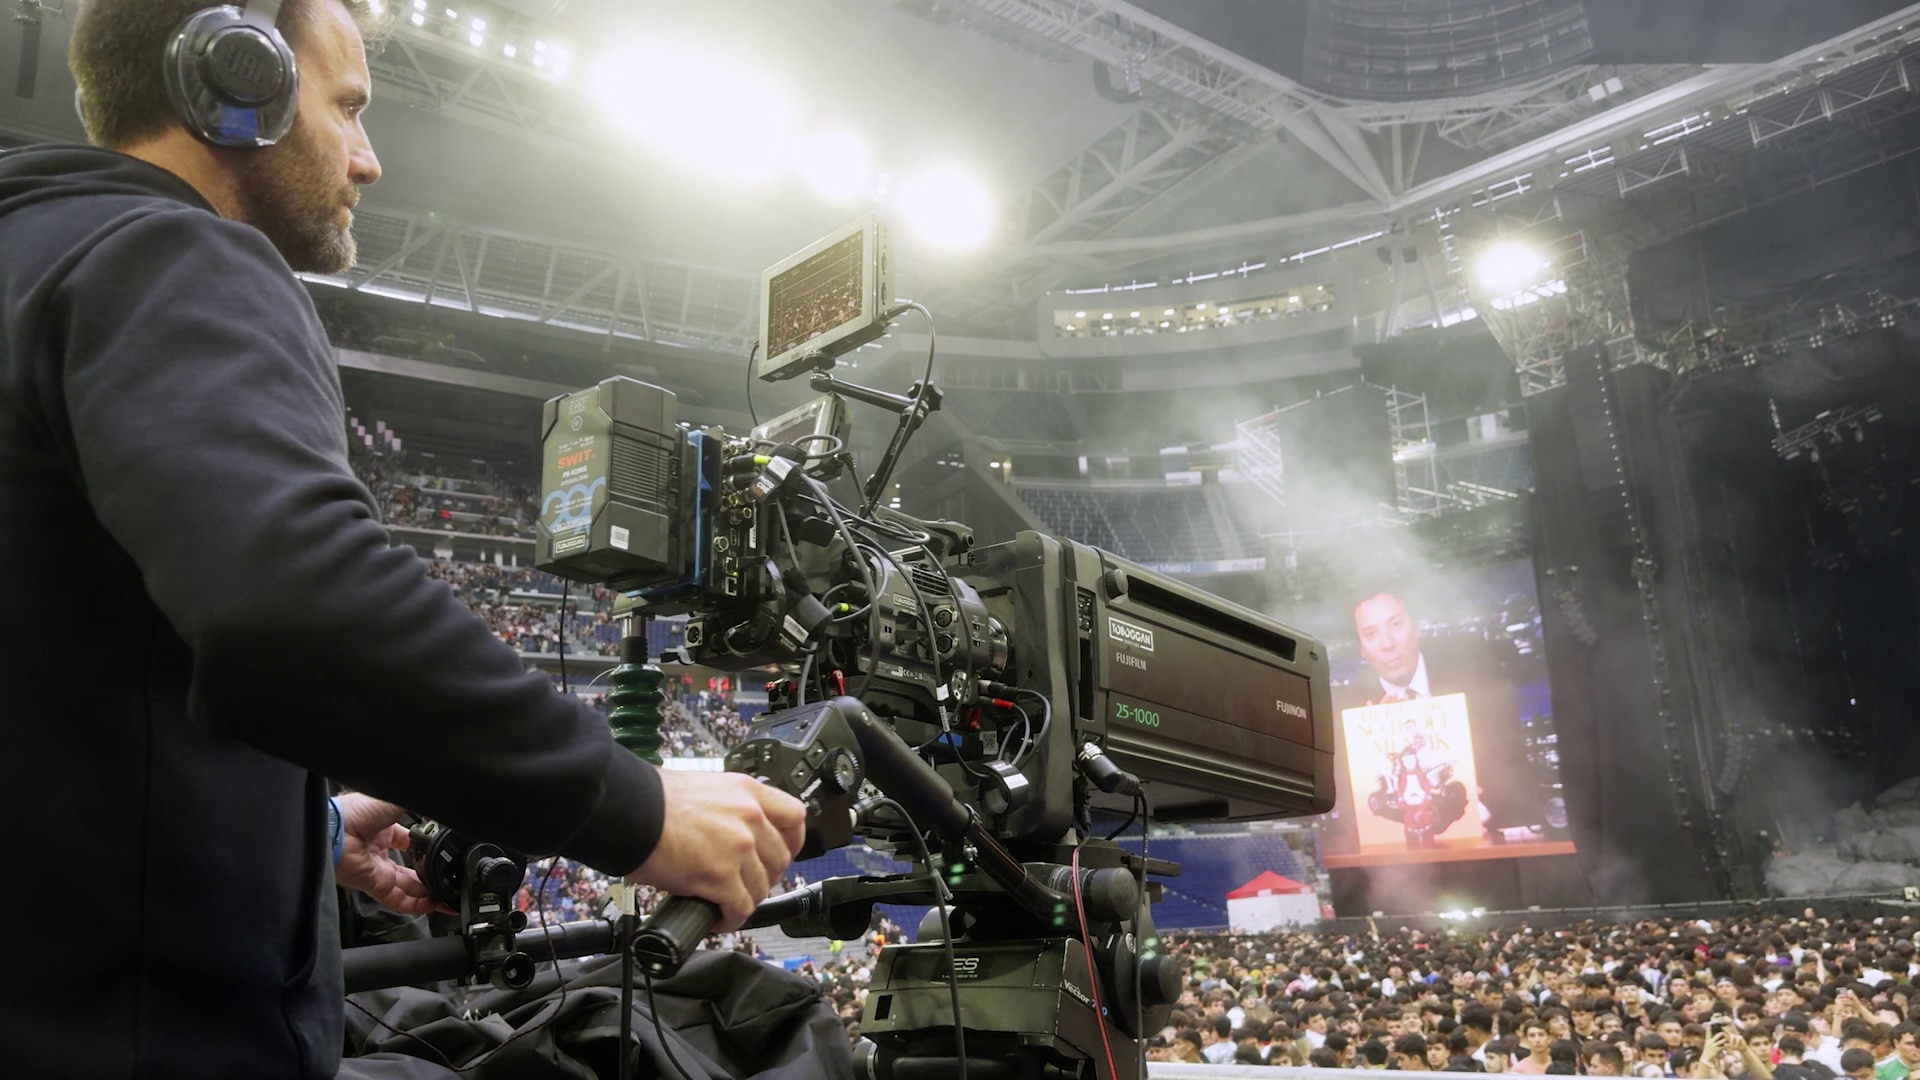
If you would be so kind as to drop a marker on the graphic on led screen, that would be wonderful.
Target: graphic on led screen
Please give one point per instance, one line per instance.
(1445, 746)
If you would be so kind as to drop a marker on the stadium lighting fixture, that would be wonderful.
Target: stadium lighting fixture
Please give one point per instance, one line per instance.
(1134, 315)
(741, 133)
(1200, 307)
(837, 164)
(948, 208)
(1169, 311)
(1079, 314)
(480, 24)
(476, 39)
(509, 51)
(1108, 315)
(1507, 268)
(417, 19)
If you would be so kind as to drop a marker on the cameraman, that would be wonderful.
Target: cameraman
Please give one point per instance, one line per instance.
(195, 562)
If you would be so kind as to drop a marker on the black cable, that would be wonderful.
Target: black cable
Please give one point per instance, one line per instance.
(898, 443)
(839, 446)
(940, 896)
(1127, 824)
(752, 354)
(866, 576)
(1146, 822)
(566, 590)
(659, 1033)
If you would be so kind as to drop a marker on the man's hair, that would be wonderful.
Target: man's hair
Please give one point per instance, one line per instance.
(118, 56)
(1410, 1046)
(1792, 1046)
(1856, 1029)
(1856, 1059)
(1607, 1054)
(1905, 1027)
(1477, 1017)
(1374, 1052)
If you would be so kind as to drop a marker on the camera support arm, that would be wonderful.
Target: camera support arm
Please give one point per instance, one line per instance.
(919, 403)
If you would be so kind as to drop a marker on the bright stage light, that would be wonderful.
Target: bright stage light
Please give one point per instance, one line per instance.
(948, 208)
(723, 119)
(1507, 268)
(838, 165)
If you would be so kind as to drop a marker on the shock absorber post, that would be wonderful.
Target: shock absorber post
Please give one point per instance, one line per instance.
(635, 699)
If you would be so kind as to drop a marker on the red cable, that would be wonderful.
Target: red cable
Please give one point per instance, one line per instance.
(1093, 979)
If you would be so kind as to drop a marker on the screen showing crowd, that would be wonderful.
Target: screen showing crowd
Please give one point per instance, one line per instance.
(817, 296)
(1446, 748)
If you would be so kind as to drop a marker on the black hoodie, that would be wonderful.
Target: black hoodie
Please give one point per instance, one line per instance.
(204, 618)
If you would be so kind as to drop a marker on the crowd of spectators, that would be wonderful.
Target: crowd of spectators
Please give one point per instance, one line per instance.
(446, 494)
(1761, 997)
(528, 624)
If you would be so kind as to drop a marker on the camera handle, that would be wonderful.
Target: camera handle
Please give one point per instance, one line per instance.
(410, 963)
(682, 922)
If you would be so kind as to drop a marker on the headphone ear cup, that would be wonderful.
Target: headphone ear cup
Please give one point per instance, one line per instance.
(232, 80)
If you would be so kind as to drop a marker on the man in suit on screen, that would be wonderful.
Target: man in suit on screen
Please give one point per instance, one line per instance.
(1510, 787)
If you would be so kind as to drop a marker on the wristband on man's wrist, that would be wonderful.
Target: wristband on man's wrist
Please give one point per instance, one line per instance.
(336, 830)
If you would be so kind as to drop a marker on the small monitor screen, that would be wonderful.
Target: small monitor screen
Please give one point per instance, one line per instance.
(817, 296)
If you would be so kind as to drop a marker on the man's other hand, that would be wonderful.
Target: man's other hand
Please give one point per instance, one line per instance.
(372, 830)
(727, 839)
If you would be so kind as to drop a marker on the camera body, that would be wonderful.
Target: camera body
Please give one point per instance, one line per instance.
(997, 663)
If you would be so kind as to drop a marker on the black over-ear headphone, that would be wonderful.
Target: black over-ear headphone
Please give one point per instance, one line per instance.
(231, 75)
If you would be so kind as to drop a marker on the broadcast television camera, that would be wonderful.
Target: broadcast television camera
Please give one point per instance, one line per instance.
(1001, 695)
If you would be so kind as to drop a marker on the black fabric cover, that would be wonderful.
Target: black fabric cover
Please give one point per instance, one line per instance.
(725, 1015)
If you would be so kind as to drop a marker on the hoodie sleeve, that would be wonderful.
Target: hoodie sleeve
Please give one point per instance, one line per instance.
(207, 426)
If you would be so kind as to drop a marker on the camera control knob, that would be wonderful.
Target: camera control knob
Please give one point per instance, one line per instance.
(1114, 583)
(841, 773)
(500, 875)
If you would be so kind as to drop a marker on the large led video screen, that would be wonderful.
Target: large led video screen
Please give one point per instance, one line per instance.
(1445, 745)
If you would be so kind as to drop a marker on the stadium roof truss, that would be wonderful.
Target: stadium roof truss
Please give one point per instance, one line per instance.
(1208, 114)
(419, 258)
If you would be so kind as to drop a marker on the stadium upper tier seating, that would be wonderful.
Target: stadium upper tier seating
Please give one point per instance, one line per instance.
(1148, 524)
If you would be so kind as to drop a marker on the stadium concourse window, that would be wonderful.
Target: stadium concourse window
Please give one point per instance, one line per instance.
(1137, 317)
